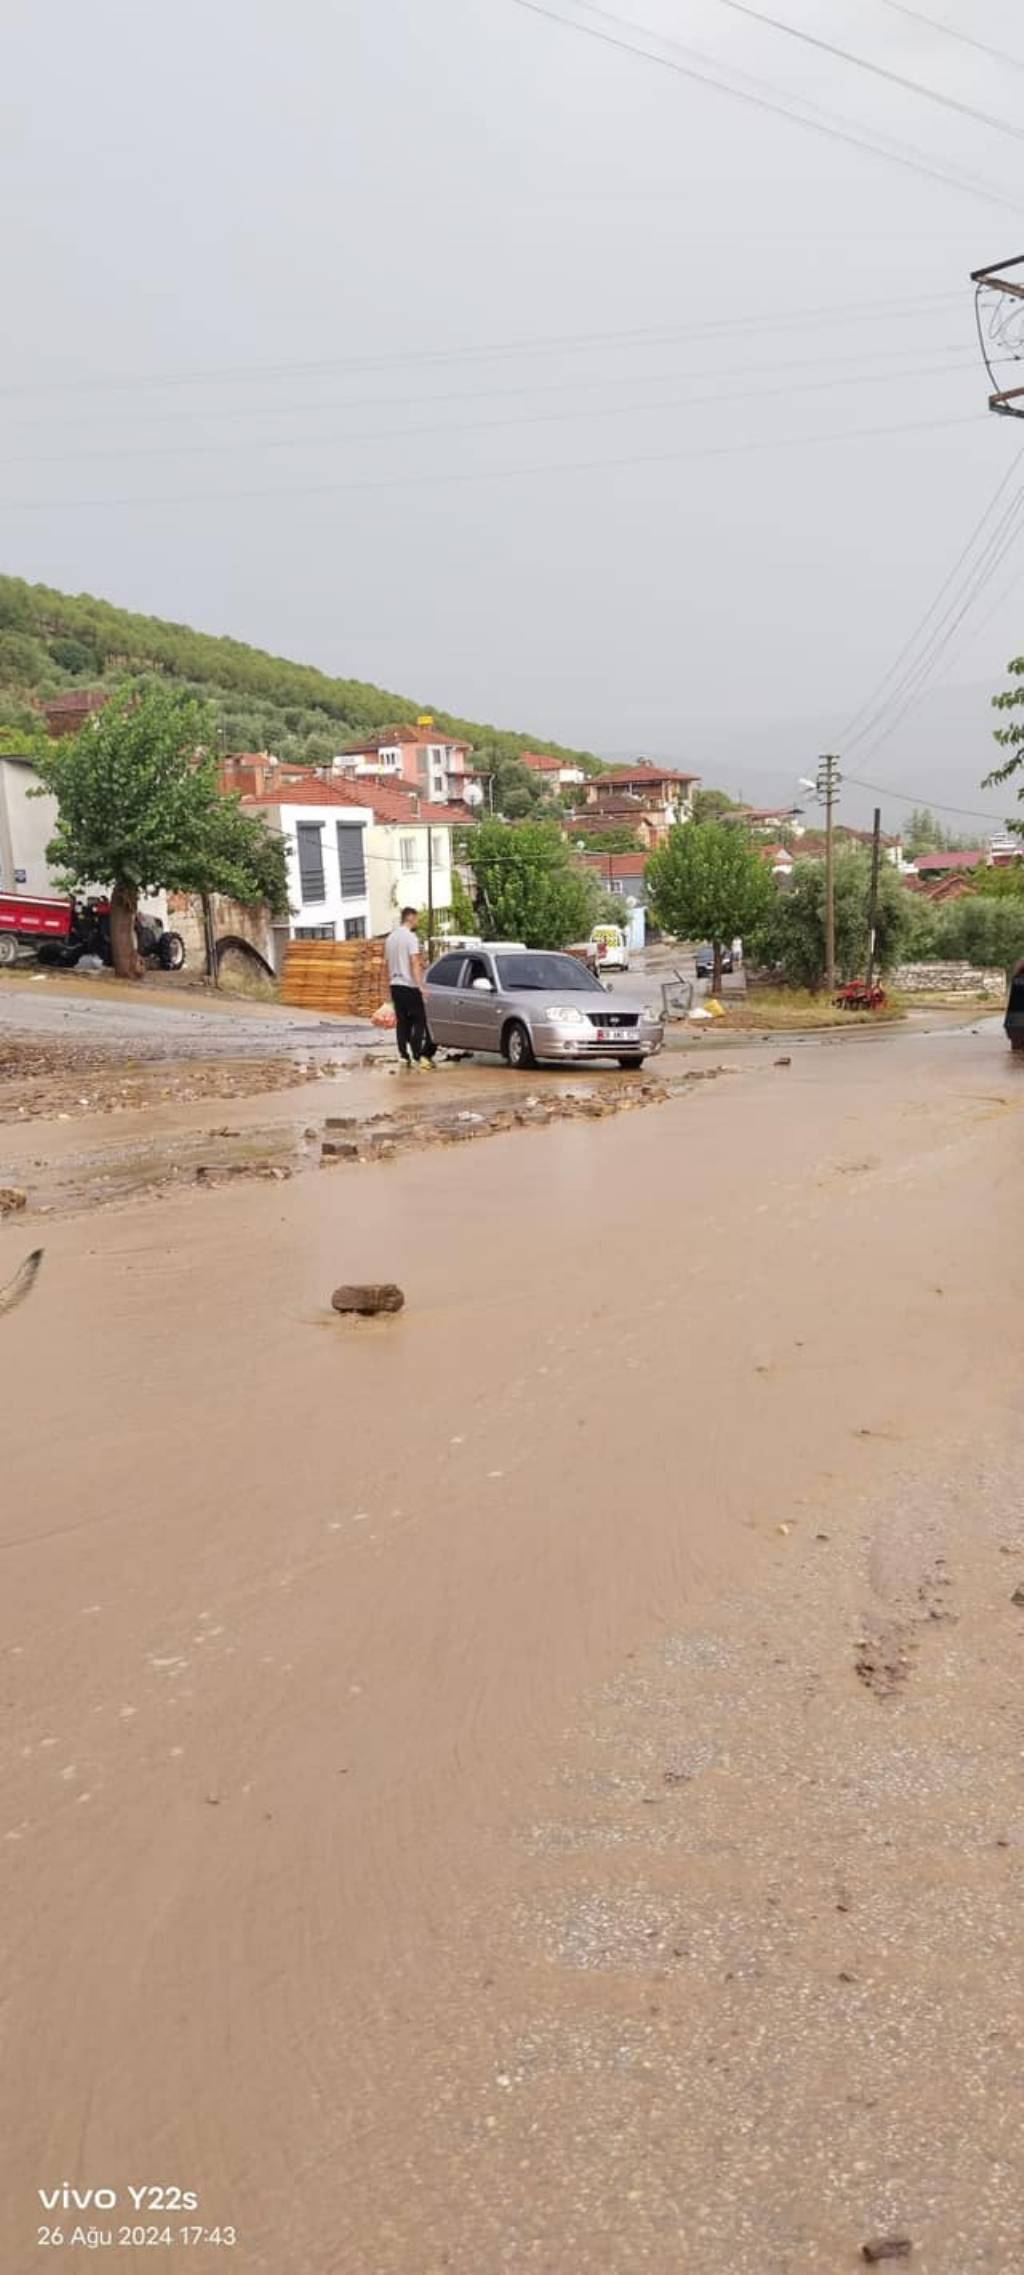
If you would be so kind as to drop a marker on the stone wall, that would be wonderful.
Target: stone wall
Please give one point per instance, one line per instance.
(230, 920)
(948, 979)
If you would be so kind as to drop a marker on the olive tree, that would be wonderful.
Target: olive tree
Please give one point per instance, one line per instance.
(139, 811)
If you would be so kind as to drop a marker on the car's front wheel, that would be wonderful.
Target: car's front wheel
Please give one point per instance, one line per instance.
(517, 1046)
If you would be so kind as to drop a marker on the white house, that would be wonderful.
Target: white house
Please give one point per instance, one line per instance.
(327, 850)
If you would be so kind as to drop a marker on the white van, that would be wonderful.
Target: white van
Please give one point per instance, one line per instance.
(608, 949)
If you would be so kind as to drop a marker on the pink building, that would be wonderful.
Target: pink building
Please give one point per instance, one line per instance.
(420, 758)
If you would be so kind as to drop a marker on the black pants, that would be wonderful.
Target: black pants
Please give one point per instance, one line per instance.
(411, 1032)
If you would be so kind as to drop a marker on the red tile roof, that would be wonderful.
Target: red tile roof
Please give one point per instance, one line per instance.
(937, 864)
(616, 864)
(540, 762)
(649, 777)
(387, 803)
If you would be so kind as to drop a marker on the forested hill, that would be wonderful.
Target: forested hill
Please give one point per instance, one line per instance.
(54, 640)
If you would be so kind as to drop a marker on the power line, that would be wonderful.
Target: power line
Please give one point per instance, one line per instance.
(871, 706)
(576, 385)
(914, 15)
(877, 70)
(774, 104)
(304, 441)
(489, 474)
(544, 344)
(888, 714)
(904, 798)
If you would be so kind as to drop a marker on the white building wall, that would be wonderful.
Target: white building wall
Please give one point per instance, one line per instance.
(396, 860)
(334, 908)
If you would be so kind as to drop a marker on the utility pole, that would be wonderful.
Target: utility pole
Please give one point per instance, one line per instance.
(430, 893)
(827, 783)
(876, 856)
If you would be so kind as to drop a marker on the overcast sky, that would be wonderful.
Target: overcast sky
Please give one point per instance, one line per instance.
(440, 344)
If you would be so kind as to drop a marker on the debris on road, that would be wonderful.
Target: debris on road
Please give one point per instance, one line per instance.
(23, 1282)
(11, 1199)
(886, 2247)
(368, 1301)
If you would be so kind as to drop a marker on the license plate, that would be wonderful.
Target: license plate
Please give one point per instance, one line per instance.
(612, 1035)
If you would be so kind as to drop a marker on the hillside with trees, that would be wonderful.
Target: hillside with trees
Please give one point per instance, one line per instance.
(50, 641)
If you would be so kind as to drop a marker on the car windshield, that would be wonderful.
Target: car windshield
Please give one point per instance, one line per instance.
(548, 974)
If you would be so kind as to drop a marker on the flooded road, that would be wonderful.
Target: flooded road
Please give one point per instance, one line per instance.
(533, 1783)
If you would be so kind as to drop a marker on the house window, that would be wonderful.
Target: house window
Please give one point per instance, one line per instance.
(351, 860)
(407, 852)
(310, 836)
(355, 928)
(314, 932)
(441, 848)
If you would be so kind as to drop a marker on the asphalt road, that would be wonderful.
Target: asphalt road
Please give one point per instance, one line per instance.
(534, 1784)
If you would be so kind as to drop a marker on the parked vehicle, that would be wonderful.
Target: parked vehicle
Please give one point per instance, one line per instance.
(858, 996)
(532, 1005)
(705, 961)
(608, 949)
(27, 920)
(1014, 1021)
(88, 934)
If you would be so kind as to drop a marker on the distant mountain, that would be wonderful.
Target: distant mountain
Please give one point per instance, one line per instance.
(50, 641)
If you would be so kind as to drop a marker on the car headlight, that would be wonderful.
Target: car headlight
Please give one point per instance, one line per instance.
(565, 1015)
(649, 1017)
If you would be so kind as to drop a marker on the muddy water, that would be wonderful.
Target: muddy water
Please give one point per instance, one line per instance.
(297, 1613)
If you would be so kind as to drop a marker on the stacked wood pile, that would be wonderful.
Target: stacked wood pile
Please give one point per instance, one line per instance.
(345, 976)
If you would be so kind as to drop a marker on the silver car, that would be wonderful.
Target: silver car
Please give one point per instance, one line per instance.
(533, 1006)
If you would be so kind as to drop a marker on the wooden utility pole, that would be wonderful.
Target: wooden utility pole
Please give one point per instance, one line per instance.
(876, 857)
(828, 780)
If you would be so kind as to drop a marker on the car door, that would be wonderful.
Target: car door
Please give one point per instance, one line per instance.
(479, 1017)
(444, 1002)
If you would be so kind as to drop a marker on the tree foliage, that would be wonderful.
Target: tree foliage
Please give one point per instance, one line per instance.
(1010, 700)
(794, 935)
(138, 810)
(710, 805)
(924, 833)
(261, 702)
(512, 790)
(527, 886)
(618, 840)
(709, 883)
(982, 928)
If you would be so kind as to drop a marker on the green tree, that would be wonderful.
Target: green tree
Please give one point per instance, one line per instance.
(709, 883)
(999, 884)
(710, 805)
(794, 936)
(1011, 737)
(527, 887)
(139, 810)
(511, 790)
(624, 840)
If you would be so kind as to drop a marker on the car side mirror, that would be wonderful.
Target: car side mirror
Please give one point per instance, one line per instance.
(484, 987)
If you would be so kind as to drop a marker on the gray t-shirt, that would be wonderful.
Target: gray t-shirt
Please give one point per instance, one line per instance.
(402, 946)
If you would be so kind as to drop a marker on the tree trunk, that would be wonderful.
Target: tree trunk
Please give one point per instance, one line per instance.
(716, 969)
(124, 902)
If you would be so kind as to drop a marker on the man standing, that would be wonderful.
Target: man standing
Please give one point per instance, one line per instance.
(405, 973)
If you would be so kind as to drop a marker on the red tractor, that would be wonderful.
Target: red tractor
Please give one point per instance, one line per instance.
(860, 995)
